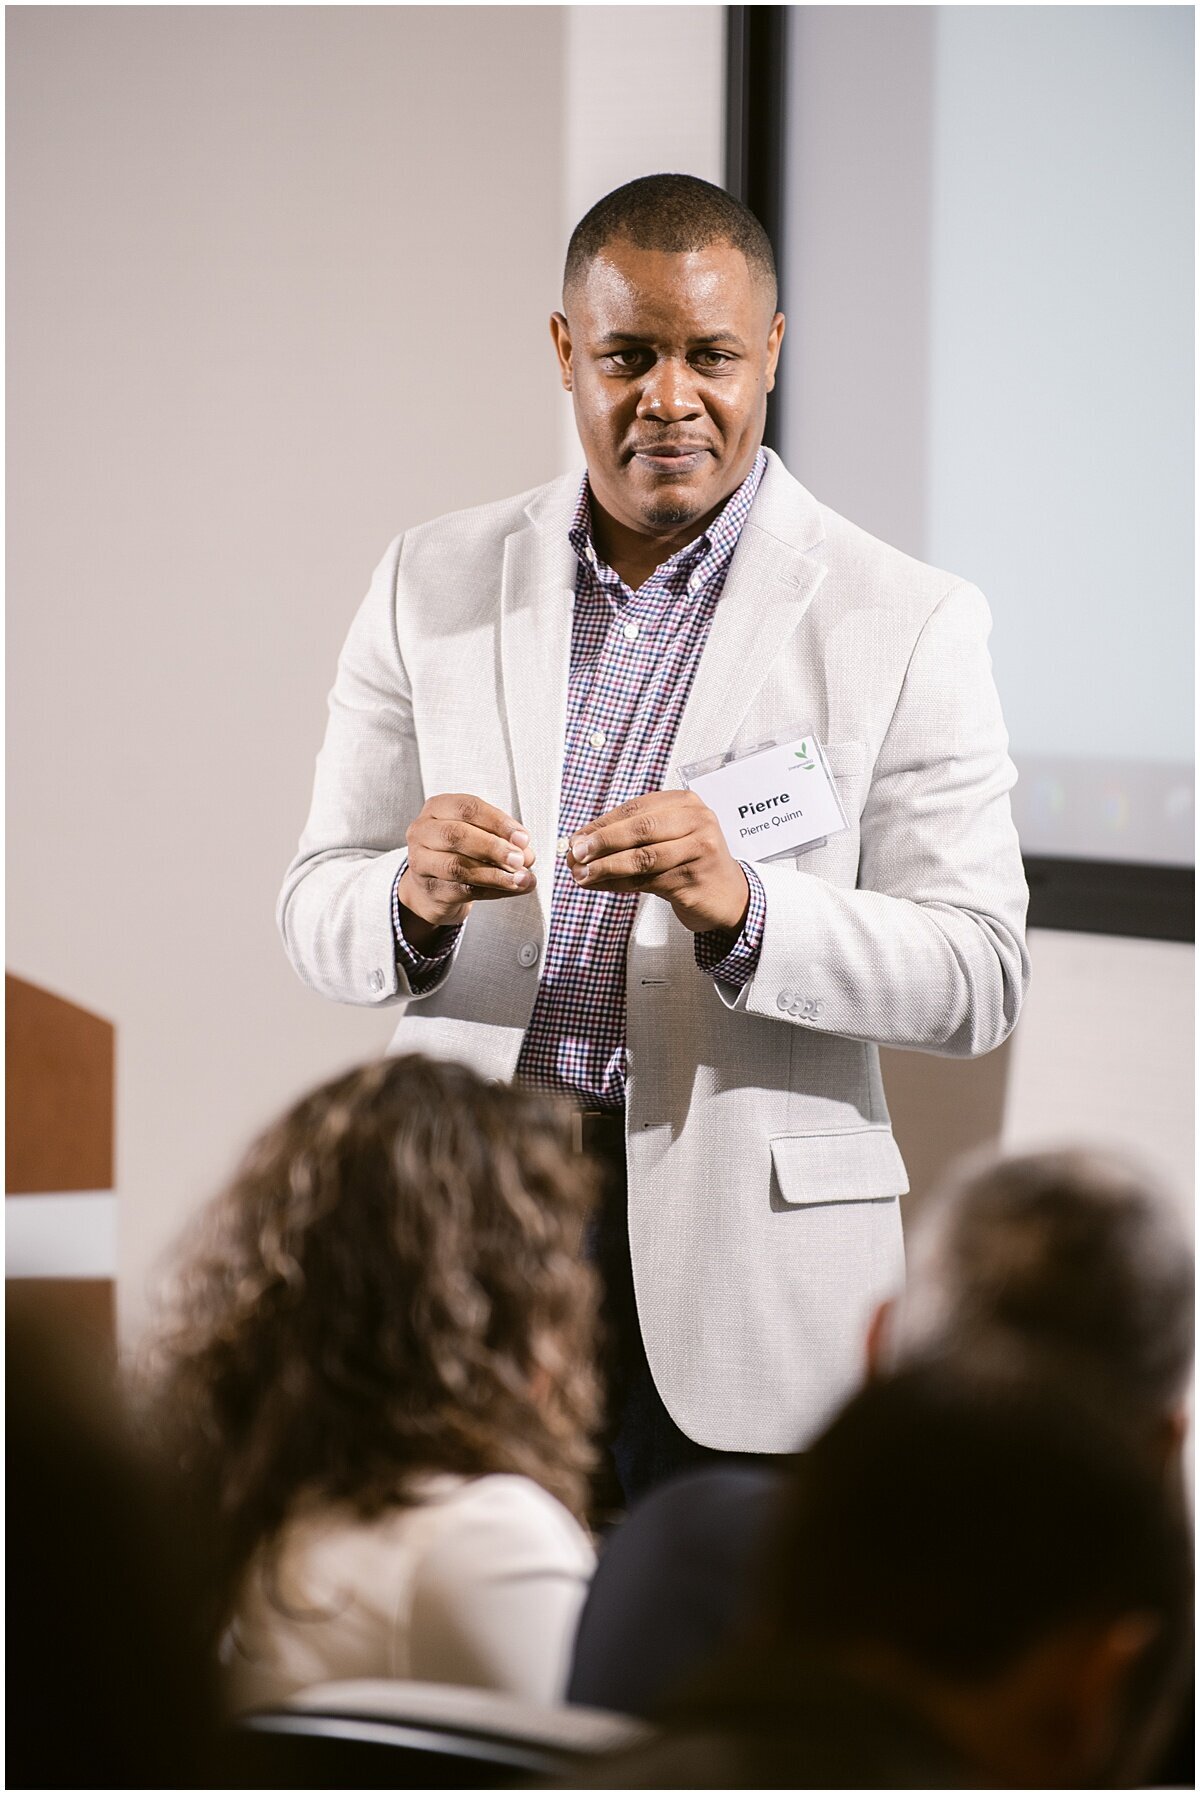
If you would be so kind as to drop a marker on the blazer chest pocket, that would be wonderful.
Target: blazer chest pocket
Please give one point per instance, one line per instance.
(847, 762)
(845, 759)
(857, 1165)
(837, 858)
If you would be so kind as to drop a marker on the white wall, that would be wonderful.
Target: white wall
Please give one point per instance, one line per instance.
(279, 282)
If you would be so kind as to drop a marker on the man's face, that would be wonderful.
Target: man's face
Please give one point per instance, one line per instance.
(669, 359)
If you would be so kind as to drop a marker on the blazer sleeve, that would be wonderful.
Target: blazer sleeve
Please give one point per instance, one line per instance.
(928, 951)
(335, 908)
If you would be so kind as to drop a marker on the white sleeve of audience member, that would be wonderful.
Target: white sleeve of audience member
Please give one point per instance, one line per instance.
(497, 1597)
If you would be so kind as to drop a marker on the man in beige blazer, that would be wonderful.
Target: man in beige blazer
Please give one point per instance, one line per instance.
(479, 854)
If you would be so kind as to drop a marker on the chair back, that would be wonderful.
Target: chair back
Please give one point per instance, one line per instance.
(399, 1735)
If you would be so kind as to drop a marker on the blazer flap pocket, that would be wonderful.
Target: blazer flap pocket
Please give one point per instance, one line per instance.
(845, 759)
(858, 1165)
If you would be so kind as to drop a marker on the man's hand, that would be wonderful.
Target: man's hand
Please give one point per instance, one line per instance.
(460, 849)
(669, 843)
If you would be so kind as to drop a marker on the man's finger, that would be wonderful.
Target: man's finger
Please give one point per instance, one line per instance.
(632, 807)
(465, 807)
(469, 843)
(666, 822)
(666, 884)
(456, 869)
(637, 868)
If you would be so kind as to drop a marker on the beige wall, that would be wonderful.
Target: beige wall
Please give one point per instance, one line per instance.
(1105, 1052)
(665, 115)
(278, 287)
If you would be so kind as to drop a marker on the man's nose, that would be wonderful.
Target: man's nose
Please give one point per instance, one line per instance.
(669, 393)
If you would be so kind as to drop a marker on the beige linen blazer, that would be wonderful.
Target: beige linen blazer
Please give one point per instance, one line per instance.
(763, 1176)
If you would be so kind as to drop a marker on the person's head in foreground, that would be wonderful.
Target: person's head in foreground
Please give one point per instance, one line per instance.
(1074, 1258)
(1071, 1265)
(112, 1686)
(967, 1578)
(389, 1287)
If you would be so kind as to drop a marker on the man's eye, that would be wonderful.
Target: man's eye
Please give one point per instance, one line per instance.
(711, 358)
(625, 359)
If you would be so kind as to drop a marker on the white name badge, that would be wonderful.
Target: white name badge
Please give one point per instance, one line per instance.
(771, 801)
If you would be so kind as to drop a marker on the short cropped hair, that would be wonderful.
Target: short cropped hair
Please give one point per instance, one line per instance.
(675, 213)
(1072, 1255)
(961, 1521)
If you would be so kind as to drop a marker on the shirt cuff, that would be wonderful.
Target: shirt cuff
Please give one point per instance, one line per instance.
(731, 955)
(423, 969)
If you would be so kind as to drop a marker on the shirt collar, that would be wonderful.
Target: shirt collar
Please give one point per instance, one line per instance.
(718, 541)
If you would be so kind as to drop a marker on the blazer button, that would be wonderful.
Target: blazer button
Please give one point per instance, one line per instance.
(377, 980)
(527, 953)
(784, 1001)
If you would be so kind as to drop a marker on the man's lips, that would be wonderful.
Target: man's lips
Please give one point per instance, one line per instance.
(678, 458)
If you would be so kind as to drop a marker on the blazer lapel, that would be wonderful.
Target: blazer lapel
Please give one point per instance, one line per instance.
(772, 579)
(536, 597)
(771, 582)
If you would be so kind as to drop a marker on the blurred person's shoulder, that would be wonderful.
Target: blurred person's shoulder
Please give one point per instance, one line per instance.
(337, 1594)
(711, 1758)
(709, 1516)
(672, 1585)
(689, 1498)
(790, 1726)
(512, 1522)
(495, 1508)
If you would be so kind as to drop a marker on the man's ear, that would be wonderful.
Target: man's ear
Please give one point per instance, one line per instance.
(876, 1344)
(774, 343)
(560, 332)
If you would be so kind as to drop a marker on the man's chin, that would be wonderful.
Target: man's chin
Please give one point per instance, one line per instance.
(673, 504)
(672, 512)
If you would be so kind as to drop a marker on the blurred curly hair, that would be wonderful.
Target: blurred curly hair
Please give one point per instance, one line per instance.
(390, 1286)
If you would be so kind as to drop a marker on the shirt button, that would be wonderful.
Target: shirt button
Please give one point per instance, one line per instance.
(561, 846)
(597, 738)
(630, 632)
(527, 953)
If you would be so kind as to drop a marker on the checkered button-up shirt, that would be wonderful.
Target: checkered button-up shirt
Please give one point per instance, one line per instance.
(634, 657)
